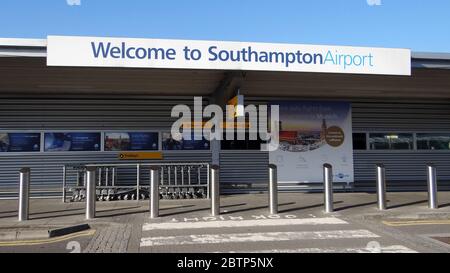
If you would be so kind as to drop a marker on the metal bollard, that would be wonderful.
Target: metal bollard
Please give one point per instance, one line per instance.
(100, 176)
(84, 178)
(90, 193)
(328, 187)
(273, 189)
(154, 192)
(138, 178)
(208, 178)
(24, 192)
(64, 177)
(381, 186)
(215, 193)
(432, 187)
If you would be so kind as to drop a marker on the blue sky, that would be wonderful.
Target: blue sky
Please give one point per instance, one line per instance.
(417, 24)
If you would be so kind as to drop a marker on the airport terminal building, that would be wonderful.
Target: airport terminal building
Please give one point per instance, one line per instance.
(84, 100)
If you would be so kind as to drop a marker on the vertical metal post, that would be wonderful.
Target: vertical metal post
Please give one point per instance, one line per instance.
(381, 186)
(182, 175)
(78, 178)
(328, 187)
(215, 193)
(84, 184)
(24, 192)
(100, 176)
(273, 189)
(138, 178)
(64, 183)
(432, 187)
(189, 175)
(175, 174)
(113, 177)
(107, 176)
(154, 192)
(169, 182)
(90, 192)
(208, 179)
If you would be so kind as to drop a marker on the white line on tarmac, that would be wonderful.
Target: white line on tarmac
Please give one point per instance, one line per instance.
(255, 237)
(386, 249)
(242, 223)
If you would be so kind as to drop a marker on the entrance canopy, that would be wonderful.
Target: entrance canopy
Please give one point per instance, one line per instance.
(25, 69)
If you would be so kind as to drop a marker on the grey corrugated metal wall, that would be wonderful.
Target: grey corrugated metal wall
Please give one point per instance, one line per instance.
(74, 113)
(243, 167)
(405, 170)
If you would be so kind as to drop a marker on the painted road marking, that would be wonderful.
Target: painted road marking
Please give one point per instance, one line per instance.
(416, 223)
(255, 237)
(48, 241)
(385, 249)
(242, 223)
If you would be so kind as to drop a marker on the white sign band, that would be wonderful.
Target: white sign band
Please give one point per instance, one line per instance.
(189, 54)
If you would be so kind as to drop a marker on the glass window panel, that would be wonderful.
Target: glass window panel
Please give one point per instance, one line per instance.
(359, 141)
(391, 141)
(433, 141)
(241, 144)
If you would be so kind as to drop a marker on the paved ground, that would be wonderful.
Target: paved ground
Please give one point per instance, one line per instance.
(243, 226)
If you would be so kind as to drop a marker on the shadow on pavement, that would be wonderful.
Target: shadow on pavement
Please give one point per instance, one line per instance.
(356, 206)
(15, 214)
(12, 211)
(55, 211)
(234, 205)
(81, 213)
(121, 213)
(177, 207)
(406, 204)
(183, 212)
(306, 207)
(301, 208)
(255, 208)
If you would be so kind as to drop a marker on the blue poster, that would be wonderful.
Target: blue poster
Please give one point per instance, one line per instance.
(72, 142)
(20, 142)
(132, 141)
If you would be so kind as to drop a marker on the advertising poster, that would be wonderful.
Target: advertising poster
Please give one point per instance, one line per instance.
(131, 141)
(20, 142)
(57, 142)
(311, 134)
(169, 143)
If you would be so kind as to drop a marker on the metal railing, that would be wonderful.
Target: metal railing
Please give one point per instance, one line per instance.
(177, 181)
